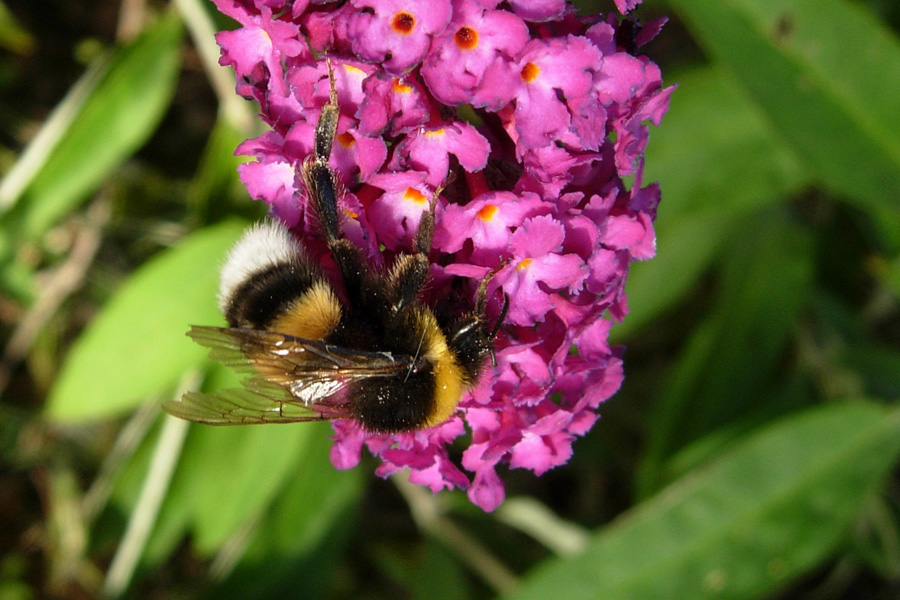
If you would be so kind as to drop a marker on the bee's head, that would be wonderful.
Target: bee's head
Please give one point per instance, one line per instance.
(471, 340)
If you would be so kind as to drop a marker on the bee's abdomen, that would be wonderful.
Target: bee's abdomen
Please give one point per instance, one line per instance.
(267, 295)
(268, 283)
(396, 404)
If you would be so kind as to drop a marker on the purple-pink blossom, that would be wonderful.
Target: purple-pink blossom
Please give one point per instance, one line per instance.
(536, 120)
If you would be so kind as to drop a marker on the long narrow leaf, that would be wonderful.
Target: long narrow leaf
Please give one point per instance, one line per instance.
(765, 513)
(116, 119)
(712, 173)
(837, 105)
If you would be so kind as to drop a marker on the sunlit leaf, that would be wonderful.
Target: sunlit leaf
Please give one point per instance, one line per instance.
(117, 118)
(765, 513)
(299, 542)
(137, 344)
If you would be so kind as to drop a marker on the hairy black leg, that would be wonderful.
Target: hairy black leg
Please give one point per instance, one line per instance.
(324, 190)
(411, 271)
(326, 127)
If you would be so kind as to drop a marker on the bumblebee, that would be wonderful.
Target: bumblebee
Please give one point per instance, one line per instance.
(377, 355)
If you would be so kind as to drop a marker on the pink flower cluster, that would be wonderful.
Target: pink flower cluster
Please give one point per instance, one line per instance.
(540, 115)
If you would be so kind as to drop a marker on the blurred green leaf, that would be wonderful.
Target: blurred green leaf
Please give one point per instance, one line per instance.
(216, 181)
(762, 515)
(191, 488)
(699, 161)
(314, 496)
(686, 246)
(891, 276)
(16, 279)
(792, 394)
(137, 345)
(732, 355)
(439, 576)
(117, 118)
(837, 105)
(277, 481)
(294, 551)
(239, 470)
(878, 368)
(876, 536)
(12, 36)
(698, 212)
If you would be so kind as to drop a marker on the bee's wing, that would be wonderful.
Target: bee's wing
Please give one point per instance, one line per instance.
(240, 406)
(292, 379)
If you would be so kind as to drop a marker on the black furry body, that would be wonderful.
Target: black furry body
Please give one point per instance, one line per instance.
(376, 353)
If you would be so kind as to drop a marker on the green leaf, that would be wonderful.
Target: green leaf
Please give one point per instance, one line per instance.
(729, 360)
(228, 476)
(743, 167)
(837, 105)
(299, 543)
(313, 498)
(116, 119)
(716, 149)
(890, 275)
(137, 345)
(439, 576)
(791, 394)
(765, 513)
(686, 247)
(216, 182)
(12, 36)
(235, 472)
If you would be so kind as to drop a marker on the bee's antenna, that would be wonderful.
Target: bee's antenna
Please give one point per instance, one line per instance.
(496, 329)
(416, 357)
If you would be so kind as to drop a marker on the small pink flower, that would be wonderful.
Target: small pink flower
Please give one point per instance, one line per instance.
(429, 150)
(391, 105)
(473, 60)
(555, 102)
(395, 33)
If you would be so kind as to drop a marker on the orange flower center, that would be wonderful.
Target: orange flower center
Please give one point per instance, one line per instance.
(530, 72)
(403, 23)
(400, 87)
(345, 139)
(414, 195)
(466, 38)
(487, 213)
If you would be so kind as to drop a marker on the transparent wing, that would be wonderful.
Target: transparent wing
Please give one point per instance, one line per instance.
(256, 403)
(291, 379)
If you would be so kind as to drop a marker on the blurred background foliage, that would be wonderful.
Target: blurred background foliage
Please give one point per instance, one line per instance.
(752, 452)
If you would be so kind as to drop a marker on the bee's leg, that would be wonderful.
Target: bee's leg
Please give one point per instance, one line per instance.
(481, 300)
(320, 180)
(481, 303)
(411, 271)
(326, 127)
(324, 190)
(425, 231)
(323, 187)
